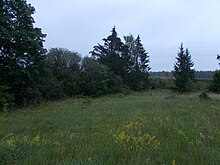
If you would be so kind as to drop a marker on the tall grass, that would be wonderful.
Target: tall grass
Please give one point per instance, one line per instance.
(141, 128)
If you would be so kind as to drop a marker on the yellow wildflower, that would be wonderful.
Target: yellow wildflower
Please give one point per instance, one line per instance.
(11, 143)
(202, 136)
(129, 126)
(121, 137)
(36, 139)
(139, 140)
(173, 162)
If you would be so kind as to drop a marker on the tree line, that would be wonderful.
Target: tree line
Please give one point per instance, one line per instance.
(31, 74)
(203, 75)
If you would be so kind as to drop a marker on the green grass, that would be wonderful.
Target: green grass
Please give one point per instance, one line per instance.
(157, 127)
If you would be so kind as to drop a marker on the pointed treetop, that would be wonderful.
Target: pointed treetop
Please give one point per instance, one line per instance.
(187, 51)
(114, 33)
(218, 57)
(138, 38)
(181, 46)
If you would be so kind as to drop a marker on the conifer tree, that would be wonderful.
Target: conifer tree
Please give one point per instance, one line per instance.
(141, 57)
(137, 79)
(183, 72)
(114, 54)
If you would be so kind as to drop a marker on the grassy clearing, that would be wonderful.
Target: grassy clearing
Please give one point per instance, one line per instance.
(156, 127)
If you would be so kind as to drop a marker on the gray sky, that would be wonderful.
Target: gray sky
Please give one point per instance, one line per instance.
(162, 24)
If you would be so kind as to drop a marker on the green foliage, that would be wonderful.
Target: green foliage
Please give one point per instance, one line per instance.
(215, 85)
(183, 72)
(130, 61)
(51, 88)
(21, 51)
(6, 99)
(115, 83)
(202, 84)
(65, 68)
(139, 56)
(204, 96)
(161, 83)
(94, 78)
(137, 80)
(114, 54)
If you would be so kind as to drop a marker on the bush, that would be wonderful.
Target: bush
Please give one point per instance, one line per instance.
(204, 96)
(202, 84)
(94, 78)
(115, 83)
(215, 85)
(137, 80)
(161, 83)
(6, 99)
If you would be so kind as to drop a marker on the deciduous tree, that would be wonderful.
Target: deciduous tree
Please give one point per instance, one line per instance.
(21, 50)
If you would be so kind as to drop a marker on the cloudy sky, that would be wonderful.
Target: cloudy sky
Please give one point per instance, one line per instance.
(162, 24)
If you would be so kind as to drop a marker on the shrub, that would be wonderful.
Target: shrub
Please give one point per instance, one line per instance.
(6, 99)
(94, 78)
(137, 80)
(204, 96)
(215, 85)
(161, 83)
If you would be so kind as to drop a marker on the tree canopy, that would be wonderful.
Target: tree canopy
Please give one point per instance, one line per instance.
(114, 54)
(21, 50)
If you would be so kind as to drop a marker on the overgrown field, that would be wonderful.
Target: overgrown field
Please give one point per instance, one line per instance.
(156, 127)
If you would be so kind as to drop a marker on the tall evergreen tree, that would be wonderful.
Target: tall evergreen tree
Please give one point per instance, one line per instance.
(183, 72)
(21, 50)
(137, 79)
(114, 54)
(141, 57)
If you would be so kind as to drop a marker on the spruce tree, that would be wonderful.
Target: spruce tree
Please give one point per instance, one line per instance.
(137, 79)
(114, 54)
(141, 57)
(183, 72)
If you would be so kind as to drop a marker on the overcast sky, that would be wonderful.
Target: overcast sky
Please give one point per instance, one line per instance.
(79, 25)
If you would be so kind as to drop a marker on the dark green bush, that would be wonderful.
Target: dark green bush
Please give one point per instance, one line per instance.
(202, 84)
(204, 96)
(6, 99)
(215, 85)
(137, 80)
(161, 83)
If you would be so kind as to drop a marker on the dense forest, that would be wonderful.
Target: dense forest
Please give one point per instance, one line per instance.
(31, 74)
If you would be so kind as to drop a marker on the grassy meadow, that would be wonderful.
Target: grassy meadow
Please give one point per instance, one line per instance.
(153, 127)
